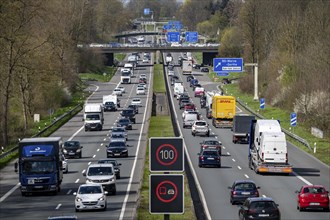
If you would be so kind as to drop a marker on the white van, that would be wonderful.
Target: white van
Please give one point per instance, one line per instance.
(189, 118)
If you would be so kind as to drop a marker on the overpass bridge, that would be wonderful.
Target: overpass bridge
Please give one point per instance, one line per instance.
(209, 51)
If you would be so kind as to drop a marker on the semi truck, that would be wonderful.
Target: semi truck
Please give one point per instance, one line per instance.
(241, 128)
(186, 67)
(268, 148)
(40, 165)
(223, 111)
(110, 103)
(93, 117)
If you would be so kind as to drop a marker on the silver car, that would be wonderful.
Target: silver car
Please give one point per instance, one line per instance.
(90, 197)
(103, 174)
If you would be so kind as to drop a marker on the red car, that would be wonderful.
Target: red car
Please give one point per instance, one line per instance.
(312, 197)
(190, 106)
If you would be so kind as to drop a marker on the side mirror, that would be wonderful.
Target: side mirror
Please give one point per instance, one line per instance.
(258, 187)
(106, 146)
(81, 146)
(229, 187)
(119, 164)
(198, 153)
(16, 167)
(75, 193)
(296, 191)
(84, 174)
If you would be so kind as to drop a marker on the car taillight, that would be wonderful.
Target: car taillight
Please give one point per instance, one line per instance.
(201, 157)
(233, 192)
(324, 195)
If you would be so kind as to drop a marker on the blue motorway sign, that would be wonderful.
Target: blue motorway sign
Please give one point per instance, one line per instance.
(173, 36)
(262, 103)
(293, 119)
(175, 25)
(192, 37)
(222, 73)
(228, 64)
(146, 11)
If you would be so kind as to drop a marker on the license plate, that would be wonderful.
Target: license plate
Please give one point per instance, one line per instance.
(263, 215)
(89, 207)
(117, 154)
(71, 153)
(31, 181)
(245, 193)
(211, 158)
(38, 187)
(314, 203)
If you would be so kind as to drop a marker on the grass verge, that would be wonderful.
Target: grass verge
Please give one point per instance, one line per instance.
(159, 82)
(163, 122)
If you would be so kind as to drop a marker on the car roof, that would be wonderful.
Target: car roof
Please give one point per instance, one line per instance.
(64, 217)
(100, 165)
(244, 181)
(257, 199)
(312, 186)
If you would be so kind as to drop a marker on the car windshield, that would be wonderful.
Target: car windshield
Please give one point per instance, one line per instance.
(263, 205)
(201, 123)
(314, 190)
(71, 144)
(99, 171)
(210, 153)
(92, 117)
(118, 130)
(90, 190)
(117, 144)
(245, 186)
(124, 120)
(117, 136)
(211, 143)
(128, 111)
(136, 100)
(109, 103)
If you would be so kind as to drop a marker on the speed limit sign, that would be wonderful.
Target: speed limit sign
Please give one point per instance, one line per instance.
(166, 155)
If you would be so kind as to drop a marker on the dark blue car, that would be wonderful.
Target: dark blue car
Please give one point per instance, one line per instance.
(193, 82)
(209, 157)
(241, 190)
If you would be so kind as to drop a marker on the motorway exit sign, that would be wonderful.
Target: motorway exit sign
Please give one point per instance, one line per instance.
(166, 155)
(166, 194)
(191, 36)
(228, 64)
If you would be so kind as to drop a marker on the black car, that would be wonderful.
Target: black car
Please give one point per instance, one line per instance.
(190, 77)
(128, 113)
(115, 164)
(204, 69)
(135, 107)
(117, 149)
(109, 106)
(209, 157)
(259, 208)
(202, 101)
(125, 122)
(184, 102)
(241, 190)
(72, 149)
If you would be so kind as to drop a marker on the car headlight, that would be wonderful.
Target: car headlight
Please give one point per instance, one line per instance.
(78, 199)
(78, 150)
(88, 180)
(112, 179)
(124, 151)
(109, 151)
(65, 151)
(102, 198)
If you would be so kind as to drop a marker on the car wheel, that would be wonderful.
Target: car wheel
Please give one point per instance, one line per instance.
(80, 156)
(105, 208)
(118, 176)
(114, 192)
(193, 134)
(77, 210)
(300, 208)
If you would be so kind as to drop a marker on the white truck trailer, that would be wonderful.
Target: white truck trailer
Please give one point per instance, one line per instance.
(93, 117)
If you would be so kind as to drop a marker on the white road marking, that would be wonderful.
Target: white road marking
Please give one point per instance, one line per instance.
(264, 196)
(94, 155)
(104, 140)
(98, 150)
(9, 192)
(83, 171)
(302, 179)
(223, 147)
(69, 192)
(234, 160)
(246, 176)
(77, 181)
(239, 167)
(101, 144)
(228, 153)
(58, 206)
(89, 163)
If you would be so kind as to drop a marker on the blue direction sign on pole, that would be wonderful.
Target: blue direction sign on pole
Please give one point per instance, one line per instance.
(173, 37)
(192, 37)
(262, 103)
(222, 73)
(146, 11)
(228, 64)
(293, 119)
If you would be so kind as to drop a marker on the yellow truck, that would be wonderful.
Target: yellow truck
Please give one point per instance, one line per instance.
(223, 111)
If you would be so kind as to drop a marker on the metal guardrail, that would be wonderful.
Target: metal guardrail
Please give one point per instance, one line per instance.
(294, 136)
(5, 154)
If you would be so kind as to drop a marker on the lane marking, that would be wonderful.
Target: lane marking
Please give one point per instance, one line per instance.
(302, 179)
(9, 192)
(94, 155)
(104, 140)
(69, 192)
(101, 144)
(83, 171)
(246, 176)
(89, 163)
(264, 196)
(58, 206)
(234, 160)
(239, 167)
(98, 150)
(77, 181)
(228, 153)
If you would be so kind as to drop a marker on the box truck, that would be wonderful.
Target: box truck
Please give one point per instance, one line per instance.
(223, 111)
(93, 117)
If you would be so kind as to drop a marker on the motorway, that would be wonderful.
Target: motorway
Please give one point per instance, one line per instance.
(120, 206)
(214, 182)
(211, 182)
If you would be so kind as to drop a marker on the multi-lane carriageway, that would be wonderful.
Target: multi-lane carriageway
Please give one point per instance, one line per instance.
(212, 183)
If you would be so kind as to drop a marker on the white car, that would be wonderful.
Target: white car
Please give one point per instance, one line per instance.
(122, 88)
(65, 165)
(140, 91)
(145, 60)
(143, 76)
(90, 197)
(136, 101)
(142, 85)
(117, 91)
(186, 112)
(102, 173)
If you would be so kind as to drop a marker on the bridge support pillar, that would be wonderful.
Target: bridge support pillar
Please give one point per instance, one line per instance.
(208, 58)
(109, 59)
